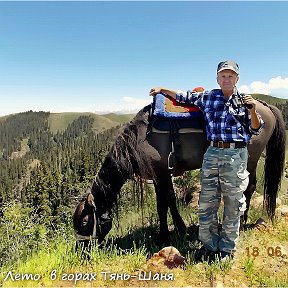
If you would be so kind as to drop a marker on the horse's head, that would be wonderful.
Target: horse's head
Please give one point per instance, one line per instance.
(89, 223)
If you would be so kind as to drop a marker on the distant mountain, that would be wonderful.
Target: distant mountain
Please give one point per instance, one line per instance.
(60, 121)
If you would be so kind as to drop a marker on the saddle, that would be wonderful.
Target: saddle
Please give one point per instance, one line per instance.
(167, 111)
(169, 116)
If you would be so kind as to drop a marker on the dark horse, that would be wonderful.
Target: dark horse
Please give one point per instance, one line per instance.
(144, 152)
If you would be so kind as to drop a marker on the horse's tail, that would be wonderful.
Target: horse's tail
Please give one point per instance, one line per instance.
(274, 163)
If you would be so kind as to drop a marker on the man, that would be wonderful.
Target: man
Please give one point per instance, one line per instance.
(231, 119)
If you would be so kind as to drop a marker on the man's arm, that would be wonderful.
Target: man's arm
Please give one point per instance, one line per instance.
(256, 120)
(189, 97)
(156, 90)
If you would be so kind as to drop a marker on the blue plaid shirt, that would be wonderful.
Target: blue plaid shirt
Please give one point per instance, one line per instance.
(221, 125)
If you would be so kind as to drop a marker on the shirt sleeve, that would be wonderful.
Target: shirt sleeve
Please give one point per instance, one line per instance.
(256, 131)
(190, 97)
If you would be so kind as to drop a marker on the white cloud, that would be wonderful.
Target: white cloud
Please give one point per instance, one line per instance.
(137, 102)
(278, 84)
(124, 105)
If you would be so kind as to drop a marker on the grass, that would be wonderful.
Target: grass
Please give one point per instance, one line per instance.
(123, 259)
(60, 121)
(269, 99)
(261, 259)
(120, 118)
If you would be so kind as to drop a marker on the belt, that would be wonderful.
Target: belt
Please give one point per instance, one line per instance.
(221, 144)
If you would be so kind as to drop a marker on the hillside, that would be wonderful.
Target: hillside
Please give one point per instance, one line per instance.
(269, 99)
(60, 121)
(67, 149)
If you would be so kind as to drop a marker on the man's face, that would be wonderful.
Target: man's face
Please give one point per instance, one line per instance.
(227, 80)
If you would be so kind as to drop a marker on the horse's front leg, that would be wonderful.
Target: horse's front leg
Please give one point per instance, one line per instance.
(161, 189)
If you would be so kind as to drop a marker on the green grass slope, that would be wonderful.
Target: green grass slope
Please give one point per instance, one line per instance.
(60, 121)
(270, 99)
(120, 118)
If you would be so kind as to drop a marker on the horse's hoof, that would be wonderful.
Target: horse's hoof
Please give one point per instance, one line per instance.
(181, 231)
(180, 227)
(163, 240)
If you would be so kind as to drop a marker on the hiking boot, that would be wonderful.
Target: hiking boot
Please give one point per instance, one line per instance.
(203, 254)
(225, 256)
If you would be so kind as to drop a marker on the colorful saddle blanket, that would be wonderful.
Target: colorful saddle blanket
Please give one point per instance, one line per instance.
(168, 112)
(168, 108)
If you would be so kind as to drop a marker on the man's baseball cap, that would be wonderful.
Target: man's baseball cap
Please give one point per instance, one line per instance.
(228, 65)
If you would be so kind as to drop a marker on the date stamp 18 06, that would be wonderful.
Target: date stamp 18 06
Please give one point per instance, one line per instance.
(269, 251)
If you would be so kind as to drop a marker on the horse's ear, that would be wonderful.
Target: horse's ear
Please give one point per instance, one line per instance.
(88, 191)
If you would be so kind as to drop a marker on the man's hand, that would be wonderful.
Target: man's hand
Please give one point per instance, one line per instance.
(166, 92)
(250, 102)
(154, 91)
(255, 121)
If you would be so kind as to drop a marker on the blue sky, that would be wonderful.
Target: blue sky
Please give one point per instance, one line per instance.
(105, 56)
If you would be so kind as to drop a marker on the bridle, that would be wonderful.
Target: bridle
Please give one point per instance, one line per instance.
(80, 237)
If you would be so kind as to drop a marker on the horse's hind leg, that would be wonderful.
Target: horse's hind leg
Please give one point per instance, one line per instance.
(177, 219)
(248, 194)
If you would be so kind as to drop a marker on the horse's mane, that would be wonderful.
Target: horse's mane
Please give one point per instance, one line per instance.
(262, 102)
(128, 151)
(127, 158)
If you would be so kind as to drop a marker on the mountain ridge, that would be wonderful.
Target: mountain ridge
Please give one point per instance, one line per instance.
(58, 122)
